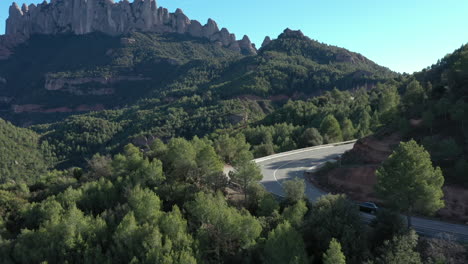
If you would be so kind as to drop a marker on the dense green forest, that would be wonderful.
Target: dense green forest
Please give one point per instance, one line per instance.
(100, 71)
(433, 110)
(166, 205)
(23, 156)
(143, 181)
(442, 104)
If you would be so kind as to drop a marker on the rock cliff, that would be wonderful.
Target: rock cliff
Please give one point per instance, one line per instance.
(8, 42)
(266, 41)
(86, 16)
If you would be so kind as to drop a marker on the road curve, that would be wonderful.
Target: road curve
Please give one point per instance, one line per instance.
(289, 165)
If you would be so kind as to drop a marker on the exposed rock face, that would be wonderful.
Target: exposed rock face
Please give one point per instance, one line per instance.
(372, 150)
(246, 46)
(86, 16)
(4, 99)
(33, 108)
(73, 84)
(266, 41)
(8, 42)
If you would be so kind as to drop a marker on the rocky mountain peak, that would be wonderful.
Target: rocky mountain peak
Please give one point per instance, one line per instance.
(24, 8)
(113, 18)
(297, 34)
(15, 10)
(266, 41)
(246, 46)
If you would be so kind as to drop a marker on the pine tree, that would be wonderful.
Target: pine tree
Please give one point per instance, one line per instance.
(245, 174)
(331, 130)
(294, 189)
(348, 129)
(408, 182)
(401, 249)
(311, 137)
(334, 255)
(284, 245)
(414, 96)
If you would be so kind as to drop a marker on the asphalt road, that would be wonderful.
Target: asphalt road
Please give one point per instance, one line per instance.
(289, 165)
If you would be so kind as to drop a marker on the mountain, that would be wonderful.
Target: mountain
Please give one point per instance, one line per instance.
(52, 76)
(132, 111)
(49, 77)
(296, 64)
(75, 56)
(94, 75)
(87, 16)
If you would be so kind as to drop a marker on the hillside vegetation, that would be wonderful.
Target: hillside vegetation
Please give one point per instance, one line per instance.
(141, 180)
(95, 72)
(294, 63)
(442, 104)
(23, 158)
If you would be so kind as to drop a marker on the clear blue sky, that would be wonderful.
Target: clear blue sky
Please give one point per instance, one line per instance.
(404, 35)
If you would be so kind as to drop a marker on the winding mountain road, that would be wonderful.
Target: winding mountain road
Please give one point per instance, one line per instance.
(289, 165)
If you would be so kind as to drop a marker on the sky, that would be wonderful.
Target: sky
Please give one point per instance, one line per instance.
(403, 35)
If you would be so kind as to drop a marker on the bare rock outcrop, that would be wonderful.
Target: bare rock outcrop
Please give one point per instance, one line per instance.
(86, 16)
(8, 42)
(72, 85)
(34, 108)
(246, 46)
(266, 41)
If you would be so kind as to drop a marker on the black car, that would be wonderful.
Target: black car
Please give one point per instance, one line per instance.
(368, 207)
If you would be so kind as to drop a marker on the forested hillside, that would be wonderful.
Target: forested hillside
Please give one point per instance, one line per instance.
(442, 104)
(435, 109)
(68, 74)
(166, 205)
(431, 108)
(295, 64)
(23, 157)
(94, 72)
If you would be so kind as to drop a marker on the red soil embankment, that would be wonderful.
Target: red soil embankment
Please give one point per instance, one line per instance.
(358, 181)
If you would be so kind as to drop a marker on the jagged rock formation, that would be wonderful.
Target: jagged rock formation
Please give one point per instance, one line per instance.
(297, 34)
(86, 16)
(266, 41)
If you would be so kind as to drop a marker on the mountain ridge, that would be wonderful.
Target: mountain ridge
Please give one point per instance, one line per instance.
(114, 18)
(69, 73)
